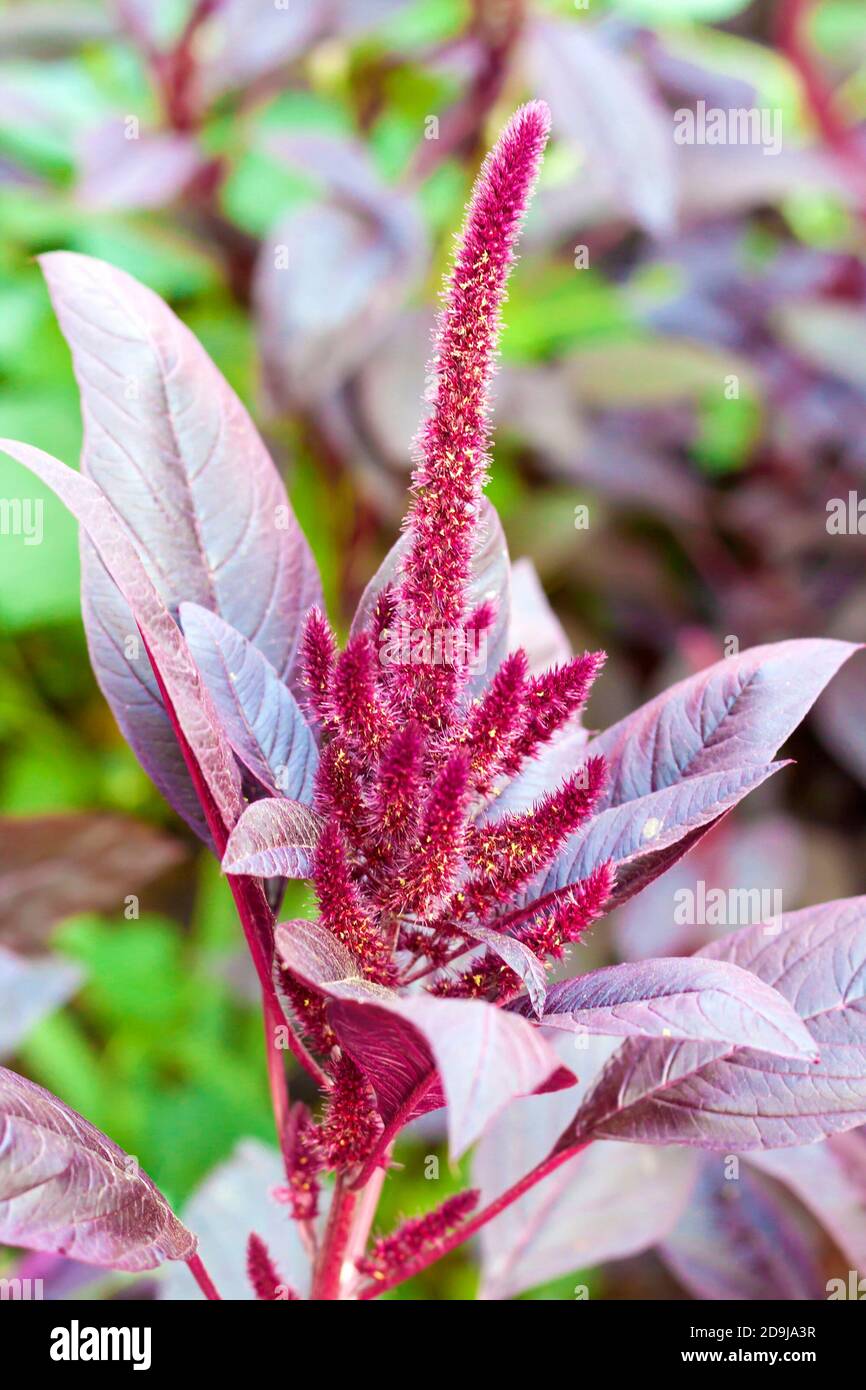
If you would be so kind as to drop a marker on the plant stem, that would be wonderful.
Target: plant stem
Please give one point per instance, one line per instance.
(202, 1278)
(328, 1276)
(428, 1257)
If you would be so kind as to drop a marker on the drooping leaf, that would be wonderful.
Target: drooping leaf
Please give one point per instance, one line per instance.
(830, 1181)
(737, 1240)
(164, 642)
(30, 989)
(261, 716)
(696, 999)
(600, 99)
(611, 1201)
(177, 456)
(274, 838)
(332, 272)
(53, 867)
(725, 723)
(235, 1199)
(645, 836)
(400, 1042)
(718, 1097)
(66, 1188)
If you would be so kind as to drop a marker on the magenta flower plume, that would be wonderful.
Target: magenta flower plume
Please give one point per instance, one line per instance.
(553, 698)
(388, 1253)
(411, 855)
(263, 1276)
(318, 652)
(452, 447)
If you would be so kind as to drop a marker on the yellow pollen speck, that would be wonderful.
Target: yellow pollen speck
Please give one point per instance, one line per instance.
(651, 828)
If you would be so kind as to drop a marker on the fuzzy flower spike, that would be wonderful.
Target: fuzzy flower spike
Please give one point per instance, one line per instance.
(452, 446)
(406, 867)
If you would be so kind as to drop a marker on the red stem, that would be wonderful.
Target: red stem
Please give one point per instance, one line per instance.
(329, 1270)
(792, 17)
(469, 1228)
(202, 1278)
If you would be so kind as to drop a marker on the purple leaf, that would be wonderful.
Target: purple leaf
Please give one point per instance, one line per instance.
(247, 40)
(260, 715)
(735, 714)
(235, 1199)
(737, 1240)
(179, 459)
(717, 1097)
(696, 999)
(67, 1189)
(332, 273)
(644, 837)
(688, 756)
(30, 989)
(187, 695)
(611, 1201)
(274, 838)
(600, 99)
(145, 171)
(483, 1060)
(53, 867)
(830, 1181)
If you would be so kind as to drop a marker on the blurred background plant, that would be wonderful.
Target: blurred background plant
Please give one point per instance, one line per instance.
(682, 392)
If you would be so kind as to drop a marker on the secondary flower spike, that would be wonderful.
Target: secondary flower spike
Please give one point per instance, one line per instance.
(452, 446)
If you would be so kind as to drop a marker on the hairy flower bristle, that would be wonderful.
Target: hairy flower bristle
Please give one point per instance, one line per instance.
(452, 448)
(552, 699)
(342, 909)
(496, 721)
(388, 1253)
(357, 705)
(267, 1284)
(318, 652)
(506, 855)
(431, 866)
(351, 1125)
(304, 1159)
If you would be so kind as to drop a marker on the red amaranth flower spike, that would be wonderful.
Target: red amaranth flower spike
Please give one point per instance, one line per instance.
(267, 1284)
(430, 868)
(357, 705)
(389, 1252)
(338, 789)
(393, 804)
(506, 855)
(342, 909)
(496, 721)
(303, 1157)
(352, 1124)
(452, 446)
(318, 652)
(552, 699)
(564, 922)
